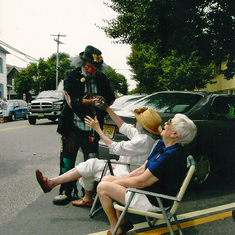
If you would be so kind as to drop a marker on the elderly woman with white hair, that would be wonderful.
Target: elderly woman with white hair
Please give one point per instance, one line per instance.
(163, 172)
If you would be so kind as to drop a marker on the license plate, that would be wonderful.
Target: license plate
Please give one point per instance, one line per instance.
(109, 131)
(41, 115)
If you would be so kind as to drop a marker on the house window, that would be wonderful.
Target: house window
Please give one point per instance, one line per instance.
(1, 65)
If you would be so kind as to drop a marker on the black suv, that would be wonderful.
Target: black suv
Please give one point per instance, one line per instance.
(48, 104)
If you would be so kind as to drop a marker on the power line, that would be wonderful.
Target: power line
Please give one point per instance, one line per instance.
(16, 50)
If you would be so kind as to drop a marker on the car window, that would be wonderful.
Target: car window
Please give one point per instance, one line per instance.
(10, 103)
(167, 102)
(17, 104)
(22, 103)
(125, 100)
(222, 108)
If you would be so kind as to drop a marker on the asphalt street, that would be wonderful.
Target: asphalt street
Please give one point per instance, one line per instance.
(26, 210)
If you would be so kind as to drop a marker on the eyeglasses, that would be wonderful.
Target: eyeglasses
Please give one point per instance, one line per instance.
(169, 122)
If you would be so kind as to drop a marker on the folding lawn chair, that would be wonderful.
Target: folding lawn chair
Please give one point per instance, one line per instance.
(165, 214)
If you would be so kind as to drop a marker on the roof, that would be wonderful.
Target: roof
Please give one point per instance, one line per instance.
(4, 50)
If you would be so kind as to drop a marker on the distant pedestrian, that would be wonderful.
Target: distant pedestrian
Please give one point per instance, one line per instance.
(3, 106)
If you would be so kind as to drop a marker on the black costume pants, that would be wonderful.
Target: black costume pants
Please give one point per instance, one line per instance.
(70, 146)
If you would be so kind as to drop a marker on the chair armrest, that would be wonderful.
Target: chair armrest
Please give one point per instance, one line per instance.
(125, 163)
(154, 194)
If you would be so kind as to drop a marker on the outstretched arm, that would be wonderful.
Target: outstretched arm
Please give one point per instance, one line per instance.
(94, 124)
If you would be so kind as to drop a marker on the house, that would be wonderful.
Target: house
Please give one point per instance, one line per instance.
(221, 84)
(11, 74)
(3, 73)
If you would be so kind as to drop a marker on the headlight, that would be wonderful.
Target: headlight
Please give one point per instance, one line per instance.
(57, 106)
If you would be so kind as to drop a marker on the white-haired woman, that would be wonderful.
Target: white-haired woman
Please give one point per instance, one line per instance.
(163, 172)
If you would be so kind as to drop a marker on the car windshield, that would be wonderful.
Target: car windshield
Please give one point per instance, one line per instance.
(125, 100)
(50, 94)
(10, 104)
(166, 102)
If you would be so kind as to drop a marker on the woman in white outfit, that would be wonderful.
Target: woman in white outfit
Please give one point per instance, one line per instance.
(135, 150)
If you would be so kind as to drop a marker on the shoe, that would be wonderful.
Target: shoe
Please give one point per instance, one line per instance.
(61, 199)
(81, 202)
(127, 226)
(43, 182)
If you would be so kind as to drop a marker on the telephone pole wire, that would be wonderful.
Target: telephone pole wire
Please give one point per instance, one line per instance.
(57, 40)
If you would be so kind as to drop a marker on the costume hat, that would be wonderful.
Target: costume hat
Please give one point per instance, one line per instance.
(149, 119)
(92, 55)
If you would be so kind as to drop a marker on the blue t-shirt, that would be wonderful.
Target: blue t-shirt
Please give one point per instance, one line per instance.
(169, 165)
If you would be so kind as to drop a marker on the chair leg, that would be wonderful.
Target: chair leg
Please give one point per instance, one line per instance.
(178, 224)
(123, 214)
(165, 216)
(93, 211)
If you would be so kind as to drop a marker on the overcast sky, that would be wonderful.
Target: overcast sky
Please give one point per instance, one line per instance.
(27, 25)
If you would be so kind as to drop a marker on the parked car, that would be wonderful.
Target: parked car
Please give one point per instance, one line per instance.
(213, 148)
(48, 104)
(16, 109)
(125, 100)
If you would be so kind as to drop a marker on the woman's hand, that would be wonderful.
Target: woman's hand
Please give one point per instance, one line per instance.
(93, 123)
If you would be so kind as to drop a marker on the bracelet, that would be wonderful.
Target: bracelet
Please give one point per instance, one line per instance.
(101, 135)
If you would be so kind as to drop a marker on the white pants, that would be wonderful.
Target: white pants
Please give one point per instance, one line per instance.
(141, 202)
(91, 171)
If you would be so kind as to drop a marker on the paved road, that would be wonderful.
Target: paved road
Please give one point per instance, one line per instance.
(25, 209)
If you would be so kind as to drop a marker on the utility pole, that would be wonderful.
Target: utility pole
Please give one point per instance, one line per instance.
(57, 55)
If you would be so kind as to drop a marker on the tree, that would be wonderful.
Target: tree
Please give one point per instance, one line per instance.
(24, 81)
(117, 81)
(185, 26)
(36, 78)
(171, 73)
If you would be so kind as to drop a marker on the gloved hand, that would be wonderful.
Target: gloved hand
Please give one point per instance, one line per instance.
(99, 102)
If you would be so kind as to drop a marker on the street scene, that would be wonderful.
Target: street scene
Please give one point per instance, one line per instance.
(25, 209)
(117, 117)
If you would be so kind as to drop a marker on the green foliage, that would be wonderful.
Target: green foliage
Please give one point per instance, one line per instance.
(184, 73)
(174, 72)
(42, 76)
(24, 80)
(185, 26)
(117, 81)
(36, 78)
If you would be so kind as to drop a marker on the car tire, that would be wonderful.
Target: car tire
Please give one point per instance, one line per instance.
(13, 117)
(32, 121)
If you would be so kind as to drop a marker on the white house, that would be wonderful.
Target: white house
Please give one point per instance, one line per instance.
(3, 72)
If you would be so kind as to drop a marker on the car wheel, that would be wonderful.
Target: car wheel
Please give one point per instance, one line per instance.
(26, 116)
(203, 168)
(32, 121)
(13, 117)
